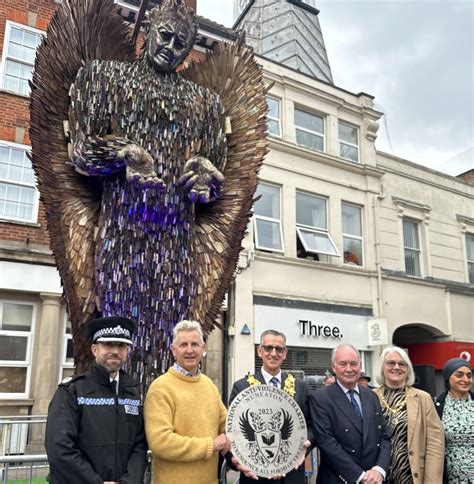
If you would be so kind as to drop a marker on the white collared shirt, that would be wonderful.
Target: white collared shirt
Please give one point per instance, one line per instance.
(348, 395)
(115, 379)
(268, 377)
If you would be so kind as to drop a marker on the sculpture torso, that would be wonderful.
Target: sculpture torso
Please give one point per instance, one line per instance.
(144, 251)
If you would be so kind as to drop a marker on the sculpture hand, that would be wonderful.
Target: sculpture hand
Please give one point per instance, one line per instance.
(140, 167)
(203, 180)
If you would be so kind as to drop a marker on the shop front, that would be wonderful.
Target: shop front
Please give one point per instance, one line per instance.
(312, 330)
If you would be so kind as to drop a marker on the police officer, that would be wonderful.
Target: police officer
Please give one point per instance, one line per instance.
(95, 432)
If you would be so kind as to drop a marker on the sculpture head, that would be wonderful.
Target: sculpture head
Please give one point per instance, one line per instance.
(171, 34)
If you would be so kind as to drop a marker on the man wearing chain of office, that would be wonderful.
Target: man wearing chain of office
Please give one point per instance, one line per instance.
(273, 351)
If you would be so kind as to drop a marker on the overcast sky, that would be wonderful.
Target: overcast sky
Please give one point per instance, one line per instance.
(415, 56)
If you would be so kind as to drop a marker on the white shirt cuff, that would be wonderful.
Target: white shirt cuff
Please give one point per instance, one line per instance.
(360, 477)
(380, 470)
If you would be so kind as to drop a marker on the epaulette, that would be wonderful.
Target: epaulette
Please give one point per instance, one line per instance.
(69, 379)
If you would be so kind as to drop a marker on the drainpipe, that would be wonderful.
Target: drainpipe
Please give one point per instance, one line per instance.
(378, 262)
(225, 351)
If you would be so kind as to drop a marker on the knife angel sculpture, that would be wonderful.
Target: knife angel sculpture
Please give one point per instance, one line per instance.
(147, 175)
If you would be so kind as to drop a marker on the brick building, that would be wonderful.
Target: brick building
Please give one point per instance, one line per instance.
(30, 292)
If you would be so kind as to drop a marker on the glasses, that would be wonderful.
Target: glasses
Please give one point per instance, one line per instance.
(393, 364)
(270, 348)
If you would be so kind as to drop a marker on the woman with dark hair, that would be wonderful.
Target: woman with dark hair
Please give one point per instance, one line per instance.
(456, 409)
(417, 434)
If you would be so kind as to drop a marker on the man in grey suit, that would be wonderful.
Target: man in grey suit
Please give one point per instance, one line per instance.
(272, 351)
(349, 427)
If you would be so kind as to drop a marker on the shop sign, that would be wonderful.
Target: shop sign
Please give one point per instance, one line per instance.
(378, 334)
(310, 328)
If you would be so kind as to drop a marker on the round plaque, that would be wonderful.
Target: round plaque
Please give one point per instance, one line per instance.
(267, 429)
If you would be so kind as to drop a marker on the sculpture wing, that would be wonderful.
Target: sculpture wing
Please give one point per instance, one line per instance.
(80, 31)
(232, 72)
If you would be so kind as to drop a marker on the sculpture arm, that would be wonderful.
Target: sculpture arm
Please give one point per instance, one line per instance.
(94, 145)
(203, 172)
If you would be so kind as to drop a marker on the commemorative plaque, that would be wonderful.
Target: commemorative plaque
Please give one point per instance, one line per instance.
(267, 429)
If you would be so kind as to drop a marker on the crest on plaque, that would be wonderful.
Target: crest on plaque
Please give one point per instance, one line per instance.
(267, 429)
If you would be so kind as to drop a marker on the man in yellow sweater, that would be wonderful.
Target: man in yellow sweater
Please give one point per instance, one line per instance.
(185, 416)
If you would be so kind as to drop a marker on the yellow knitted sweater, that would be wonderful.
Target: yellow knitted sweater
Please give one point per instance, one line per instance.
(183, 416)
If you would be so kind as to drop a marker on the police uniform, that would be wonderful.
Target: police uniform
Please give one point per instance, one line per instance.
(94, 432)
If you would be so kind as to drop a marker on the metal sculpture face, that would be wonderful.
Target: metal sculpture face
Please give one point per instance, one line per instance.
(171, 34)
(168, 45)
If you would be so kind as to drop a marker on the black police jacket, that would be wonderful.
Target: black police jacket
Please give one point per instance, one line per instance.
(94, 435)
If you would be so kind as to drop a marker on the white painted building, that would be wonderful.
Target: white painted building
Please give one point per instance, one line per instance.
(348, 244)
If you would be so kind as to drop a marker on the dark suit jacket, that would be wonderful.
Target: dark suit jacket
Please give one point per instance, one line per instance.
(301, 397)
(348, 445)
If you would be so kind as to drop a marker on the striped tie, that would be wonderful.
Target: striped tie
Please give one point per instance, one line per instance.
(274, 381)
(355, 404)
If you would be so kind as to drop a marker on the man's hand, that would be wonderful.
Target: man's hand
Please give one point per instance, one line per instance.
(372, 477)
(277, 477)
(307, 445)
(245, 470)
(222, 444)
(140, 167)
(202, 179)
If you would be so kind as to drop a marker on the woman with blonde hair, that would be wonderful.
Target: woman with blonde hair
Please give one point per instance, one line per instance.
(417, 435)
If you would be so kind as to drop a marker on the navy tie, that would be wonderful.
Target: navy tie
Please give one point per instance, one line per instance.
(114, 386)
(274, 381)
(355, 404)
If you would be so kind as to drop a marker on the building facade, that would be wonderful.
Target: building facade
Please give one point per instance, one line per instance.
(347, 244)
(33, 341)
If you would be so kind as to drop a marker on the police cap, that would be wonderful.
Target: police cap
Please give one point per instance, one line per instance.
(113, 329)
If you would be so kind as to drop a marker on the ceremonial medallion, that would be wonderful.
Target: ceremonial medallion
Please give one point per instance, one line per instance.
(267, 429)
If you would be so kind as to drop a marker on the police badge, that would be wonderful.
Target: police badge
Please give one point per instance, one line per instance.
(267, 429)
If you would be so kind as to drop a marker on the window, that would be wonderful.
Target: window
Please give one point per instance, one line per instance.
(470, 257)
(19, 57)
(352, 234)
(312, 227)
(348, 142)
(67, 352)
(309, 130)
(273, 116)
(18, 195)
(411, 244)
(16, 331)
(267, 220)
